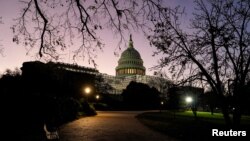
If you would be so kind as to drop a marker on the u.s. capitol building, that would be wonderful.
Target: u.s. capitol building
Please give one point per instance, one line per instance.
(130, 68)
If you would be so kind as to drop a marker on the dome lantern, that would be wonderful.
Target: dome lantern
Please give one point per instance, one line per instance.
(130, 44)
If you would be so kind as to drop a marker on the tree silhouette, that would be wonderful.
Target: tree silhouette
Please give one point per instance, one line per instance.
(161, 82)
(209, 101)
(141, 96)
(214, 51)
(174, 102)
(56, 24)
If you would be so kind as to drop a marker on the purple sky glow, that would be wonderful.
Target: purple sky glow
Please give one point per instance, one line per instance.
(14, 55)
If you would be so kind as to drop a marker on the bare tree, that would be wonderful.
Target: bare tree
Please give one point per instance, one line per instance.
(161, 82)
(214, 51)
(54, 25)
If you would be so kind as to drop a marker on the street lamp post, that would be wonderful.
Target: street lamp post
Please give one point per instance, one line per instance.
(189, 99)
(192, 103)
(162, 103)
(97, 97)
(87, 91)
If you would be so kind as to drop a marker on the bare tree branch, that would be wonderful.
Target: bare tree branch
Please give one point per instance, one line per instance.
(56, 25)
(45, 21)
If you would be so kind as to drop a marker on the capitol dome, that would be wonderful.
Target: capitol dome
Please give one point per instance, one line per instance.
(130, 62)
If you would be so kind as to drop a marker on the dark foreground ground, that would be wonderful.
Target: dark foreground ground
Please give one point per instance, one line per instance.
(110, 126)
(184, 126)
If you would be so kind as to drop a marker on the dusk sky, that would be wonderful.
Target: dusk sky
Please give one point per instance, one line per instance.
(14, 55)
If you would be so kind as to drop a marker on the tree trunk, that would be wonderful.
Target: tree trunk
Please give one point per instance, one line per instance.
(212, 109)
(225, 111)
(226, 116)
(236, 117)
(237, 101)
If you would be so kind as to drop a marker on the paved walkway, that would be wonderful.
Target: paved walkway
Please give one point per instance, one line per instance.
(110, 126)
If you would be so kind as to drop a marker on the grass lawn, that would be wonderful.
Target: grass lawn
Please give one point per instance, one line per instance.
(183, 125)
